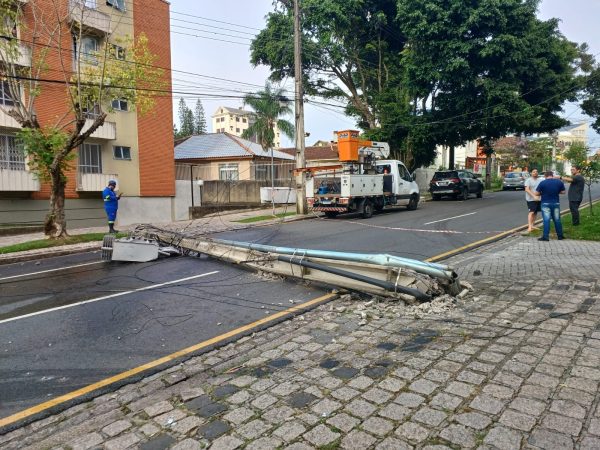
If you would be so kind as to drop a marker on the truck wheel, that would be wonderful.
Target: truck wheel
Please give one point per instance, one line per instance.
(331, 214)
(367, 209)
(413, 203)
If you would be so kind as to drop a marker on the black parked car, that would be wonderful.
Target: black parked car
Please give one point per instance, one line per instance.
(456, 183)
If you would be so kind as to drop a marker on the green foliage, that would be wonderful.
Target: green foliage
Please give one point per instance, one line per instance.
(124, 70)
(186, 120)
(577, 154)
(199, 118)
(268, 105)
(190, 122)
(485, 69)
(591, 95)
(42, 145)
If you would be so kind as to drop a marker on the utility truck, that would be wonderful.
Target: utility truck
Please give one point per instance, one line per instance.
(365, 181)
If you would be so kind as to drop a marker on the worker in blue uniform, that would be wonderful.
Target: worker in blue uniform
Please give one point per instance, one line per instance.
(111, 204)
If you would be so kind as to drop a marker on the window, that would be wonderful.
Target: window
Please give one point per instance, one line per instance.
(92, 112)
(90, 158)
(89, 49)
(117, 4)
(237, 119)
(404, 174)
(222, 119)
(11, 26)
(228, 171)
(120, 104)
(11, 156)
(230, 128)
(244, 120)
(117, 51)
(237, 130)
(5, 98)
(120, 152)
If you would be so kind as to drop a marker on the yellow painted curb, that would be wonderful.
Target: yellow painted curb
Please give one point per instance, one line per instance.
(152, 364)
(494, 238)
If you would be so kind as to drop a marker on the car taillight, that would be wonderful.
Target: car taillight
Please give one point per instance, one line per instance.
(455, 180)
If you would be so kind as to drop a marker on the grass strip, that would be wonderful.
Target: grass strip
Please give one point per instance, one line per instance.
(587, 230)
(48, 243)
(261, 218)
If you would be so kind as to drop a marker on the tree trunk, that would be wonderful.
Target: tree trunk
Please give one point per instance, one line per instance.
(55, 225)
(488, 171)
(451, 157)
(590, 197)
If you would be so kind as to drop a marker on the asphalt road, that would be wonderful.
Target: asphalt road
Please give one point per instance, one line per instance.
(434, 228)
(70, 321)
(46, 352)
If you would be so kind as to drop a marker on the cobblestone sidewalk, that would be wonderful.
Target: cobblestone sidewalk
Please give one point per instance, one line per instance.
(514, 366)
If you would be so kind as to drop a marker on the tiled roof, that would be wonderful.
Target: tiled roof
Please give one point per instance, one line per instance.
(314, 153)
(222, 145)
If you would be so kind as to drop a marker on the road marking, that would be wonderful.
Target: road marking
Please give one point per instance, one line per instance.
(496, 237)
(50, 270)
(450, 218)
(165, 359)
(106, 297)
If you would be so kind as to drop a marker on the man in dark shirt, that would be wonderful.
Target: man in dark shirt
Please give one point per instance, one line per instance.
(575, 192)
(549, 190)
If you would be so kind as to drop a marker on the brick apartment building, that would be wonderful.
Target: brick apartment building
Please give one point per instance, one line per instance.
(136, 150)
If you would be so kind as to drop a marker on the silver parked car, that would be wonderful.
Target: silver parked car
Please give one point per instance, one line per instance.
(514, 180)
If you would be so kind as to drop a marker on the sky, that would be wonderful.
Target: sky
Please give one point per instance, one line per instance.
(211, 61)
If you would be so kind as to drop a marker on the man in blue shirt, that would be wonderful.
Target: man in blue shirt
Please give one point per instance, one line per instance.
(549, 190)
(111, 204)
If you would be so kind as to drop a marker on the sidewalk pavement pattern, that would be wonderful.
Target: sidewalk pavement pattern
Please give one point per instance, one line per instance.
(515, 365)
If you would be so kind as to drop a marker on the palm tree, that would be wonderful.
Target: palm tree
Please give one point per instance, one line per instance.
(269, 105)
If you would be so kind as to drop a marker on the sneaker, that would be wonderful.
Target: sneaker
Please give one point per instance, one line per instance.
(560, 238)
(545, 239)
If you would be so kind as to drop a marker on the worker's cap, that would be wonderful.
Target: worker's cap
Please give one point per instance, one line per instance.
(112, 183)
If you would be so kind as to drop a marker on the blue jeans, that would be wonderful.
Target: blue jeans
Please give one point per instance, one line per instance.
(551, 211)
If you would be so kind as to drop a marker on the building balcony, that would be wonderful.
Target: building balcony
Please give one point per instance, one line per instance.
(23, 59)
(94, 182)
(18, 181)
(107, 131)
(84, 13)
(7, 121)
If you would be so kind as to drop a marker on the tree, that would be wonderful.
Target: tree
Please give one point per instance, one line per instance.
(116, 69)
(199, 119)
(351, 55)
(268, 105)
(591, 95)
(577, 154)
(186, 120)
(486, 69)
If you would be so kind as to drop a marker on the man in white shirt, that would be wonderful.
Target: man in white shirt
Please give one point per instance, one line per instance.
(533, 201)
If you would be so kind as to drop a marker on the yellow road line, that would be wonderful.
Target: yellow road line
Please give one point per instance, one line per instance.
(165, 359)
(496, 237)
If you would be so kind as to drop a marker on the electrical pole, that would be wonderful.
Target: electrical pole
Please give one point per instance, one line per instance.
(299, 103)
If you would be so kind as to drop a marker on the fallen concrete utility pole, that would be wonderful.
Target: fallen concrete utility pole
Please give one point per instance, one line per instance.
(435, 270)
(357, 275)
